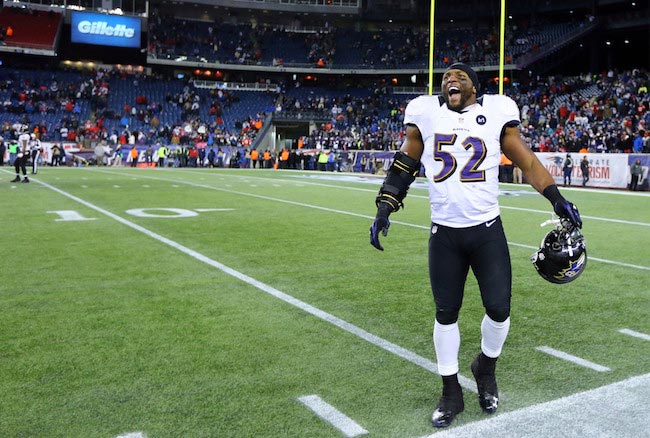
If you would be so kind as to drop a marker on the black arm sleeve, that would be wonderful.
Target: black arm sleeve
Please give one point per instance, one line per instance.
(400, 176)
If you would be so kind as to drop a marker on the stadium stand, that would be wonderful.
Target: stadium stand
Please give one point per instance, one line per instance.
(601, 111)
(30, 28)
(347, 46)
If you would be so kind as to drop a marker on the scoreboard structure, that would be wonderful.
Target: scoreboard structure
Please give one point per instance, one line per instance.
(105, 30)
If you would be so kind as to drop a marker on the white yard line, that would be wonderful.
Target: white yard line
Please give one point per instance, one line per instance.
(333, 416)
(635, 334)
(573, 359)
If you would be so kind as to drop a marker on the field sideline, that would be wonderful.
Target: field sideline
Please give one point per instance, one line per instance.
(113, 327)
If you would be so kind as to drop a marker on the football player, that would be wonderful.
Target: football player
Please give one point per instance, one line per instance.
(458, 138)
(20, 163)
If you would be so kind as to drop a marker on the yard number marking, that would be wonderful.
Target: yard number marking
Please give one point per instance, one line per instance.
(70, 215)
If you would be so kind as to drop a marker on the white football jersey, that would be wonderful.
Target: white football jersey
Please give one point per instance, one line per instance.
(462, 153)
(23, 141)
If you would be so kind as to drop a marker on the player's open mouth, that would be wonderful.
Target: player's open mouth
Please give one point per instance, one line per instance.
(453, 90)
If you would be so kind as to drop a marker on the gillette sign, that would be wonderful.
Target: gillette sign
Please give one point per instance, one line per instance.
(105, 30)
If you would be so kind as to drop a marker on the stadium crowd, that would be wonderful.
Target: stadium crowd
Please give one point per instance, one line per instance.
(608, 112)
(246, 40)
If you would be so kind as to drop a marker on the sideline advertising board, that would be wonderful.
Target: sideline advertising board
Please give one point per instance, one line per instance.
(605, 170)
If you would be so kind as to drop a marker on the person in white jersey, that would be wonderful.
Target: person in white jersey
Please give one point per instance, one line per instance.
(459, 138)
(20, 163)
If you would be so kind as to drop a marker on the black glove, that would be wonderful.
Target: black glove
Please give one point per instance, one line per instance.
(563, 208)
(566, 210)
(380, 224)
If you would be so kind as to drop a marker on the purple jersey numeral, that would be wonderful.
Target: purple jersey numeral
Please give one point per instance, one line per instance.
(469, 172)
(448, 161)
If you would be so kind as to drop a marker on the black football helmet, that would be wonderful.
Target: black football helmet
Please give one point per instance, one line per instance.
(562, 255)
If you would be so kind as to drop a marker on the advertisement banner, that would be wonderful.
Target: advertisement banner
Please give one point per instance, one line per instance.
(105, 30)
(605, 170)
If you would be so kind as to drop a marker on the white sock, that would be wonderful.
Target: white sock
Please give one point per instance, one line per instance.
(494, 335)
(446, 340)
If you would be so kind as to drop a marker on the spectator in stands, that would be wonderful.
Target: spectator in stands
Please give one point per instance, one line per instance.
(638, 142)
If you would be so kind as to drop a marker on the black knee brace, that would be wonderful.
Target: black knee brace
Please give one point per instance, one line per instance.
(446, 317)
(498, 315)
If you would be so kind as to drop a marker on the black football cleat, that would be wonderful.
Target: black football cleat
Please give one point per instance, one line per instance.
(16, 179)
(447, 409)
(26, 180)
(486, 383)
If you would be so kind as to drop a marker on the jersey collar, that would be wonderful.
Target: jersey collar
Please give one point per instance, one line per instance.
(479, 101)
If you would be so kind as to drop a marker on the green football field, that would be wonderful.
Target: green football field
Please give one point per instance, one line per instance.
(249, 303)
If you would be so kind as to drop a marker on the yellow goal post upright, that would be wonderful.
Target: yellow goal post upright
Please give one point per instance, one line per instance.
(432, 15)
(502, 38)
(502, 45)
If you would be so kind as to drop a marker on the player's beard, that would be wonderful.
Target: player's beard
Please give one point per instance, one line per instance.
(458, 101)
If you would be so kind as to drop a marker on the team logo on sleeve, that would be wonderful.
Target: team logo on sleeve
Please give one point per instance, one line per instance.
(481, 120)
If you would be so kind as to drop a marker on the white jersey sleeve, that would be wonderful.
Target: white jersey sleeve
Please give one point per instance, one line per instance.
(418, 113)
(511, 114)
